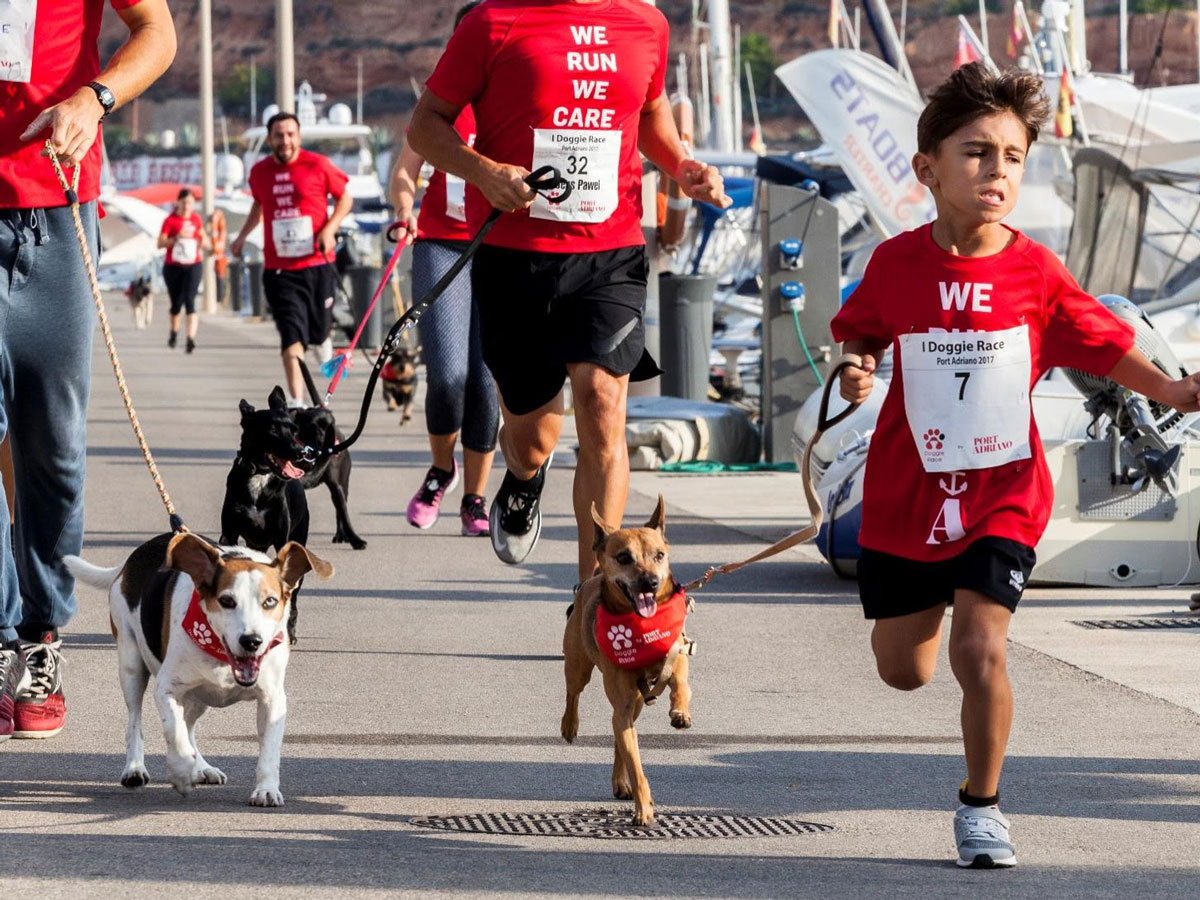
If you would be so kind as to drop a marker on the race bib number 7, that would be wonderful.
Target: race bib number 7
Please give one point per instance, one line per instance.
(590, 160)
(16, 39)
(966, 397)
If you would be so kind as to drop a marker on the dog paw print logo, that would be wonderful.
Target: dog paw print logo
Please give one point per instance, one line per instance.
(620, 637)
(933, 439)
(202, 633)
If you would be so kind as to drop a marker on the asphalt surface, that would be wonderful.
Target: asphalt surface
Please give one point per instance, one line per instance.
(428, 682)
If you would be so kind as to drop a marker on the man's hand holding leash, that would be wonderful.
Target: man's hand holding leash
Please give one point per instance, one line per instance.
(856, 383)
(505, 187)
(73, 125)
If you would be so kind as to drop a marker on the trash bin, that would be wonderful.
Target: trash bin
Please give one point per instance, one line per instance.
(237, 286)
(255, 272)
(685, 310)
(363, 282)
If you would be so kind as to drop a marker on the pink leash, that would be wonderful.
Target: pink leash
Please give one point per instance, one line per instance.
(347, 355)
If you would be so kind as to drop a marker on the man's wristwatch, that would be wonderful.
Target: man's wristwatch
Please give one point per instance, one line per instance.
(104, 95)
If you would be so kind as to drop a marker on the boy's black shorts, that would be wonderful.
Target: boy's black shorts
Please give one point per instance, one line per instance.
(301, 301)
(891, 586)
(540, 311)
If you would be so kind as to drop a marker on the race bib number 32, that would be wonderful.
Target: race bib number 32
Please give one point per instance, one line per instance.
(966, 397)
(590, 160)
(16, 39)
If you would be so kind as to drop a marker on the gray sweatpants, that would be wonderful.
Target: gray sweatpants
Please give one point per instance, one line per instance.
(46, 322)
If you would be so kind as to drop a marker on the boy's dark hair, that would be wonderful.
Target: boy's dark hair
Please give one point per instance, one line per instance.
(185, 192)
(281, 117)
(463, 10)
(973, 91)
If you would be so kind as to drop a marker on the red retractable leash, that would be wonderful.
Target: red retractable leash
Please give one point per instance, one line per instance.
(548, 182)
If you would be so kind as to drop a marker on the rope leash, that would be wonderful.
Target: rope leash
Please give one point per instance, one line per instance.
(71, 192)
(546, 181)
(824, 423)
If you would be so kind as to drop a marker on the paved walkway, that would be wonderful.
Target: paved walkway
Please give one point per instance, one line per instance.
(428, 682)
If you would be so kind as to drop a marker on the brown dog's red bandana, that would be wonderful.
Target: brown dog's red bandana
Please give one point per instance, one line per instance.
(634, 642)
(198, 628)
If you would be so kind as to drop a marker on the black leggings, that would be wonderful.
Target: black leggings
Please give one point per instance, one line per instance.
(182, 284)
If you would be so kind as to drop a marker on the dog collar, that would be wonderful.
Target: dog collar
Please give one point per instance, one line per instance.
(389, 372)
(633, 642)
(198, 628)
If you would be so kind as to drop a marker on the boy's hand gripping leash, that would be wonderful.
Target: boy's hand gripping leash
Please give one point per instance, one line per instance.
(824, 423)
(546, 181)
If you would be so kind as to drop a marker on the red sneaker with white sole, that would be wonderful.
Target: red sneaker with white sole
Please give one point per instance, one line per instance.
(41, 708)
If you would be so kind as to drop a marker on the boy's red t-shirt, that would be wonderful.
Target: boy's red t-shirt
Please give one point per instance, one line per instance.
(564, 84)
(912, 286)
(188, 237)
(443, 213)
(295, 206)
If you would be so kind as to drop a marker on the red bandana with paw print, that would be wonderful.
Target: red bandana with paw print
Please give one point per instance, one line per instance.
(200, 630)
(634, 642)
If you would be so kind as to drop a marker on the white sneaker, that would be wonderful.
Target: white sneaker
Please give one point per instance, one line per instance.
(981, 833)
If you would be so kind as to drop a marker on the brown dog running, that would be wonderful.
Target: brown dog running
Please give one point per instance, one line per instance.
(628, 622)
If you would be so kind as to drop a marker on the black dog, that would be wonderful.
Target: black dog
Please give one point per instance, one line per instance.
(141, 300)
(318, 429)
(399, 380)
(264, 503)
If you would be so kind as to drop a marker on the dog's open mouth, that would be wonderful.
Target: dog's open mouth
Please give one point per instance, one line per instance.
(285, 467)
(245, 669)
(643, 602)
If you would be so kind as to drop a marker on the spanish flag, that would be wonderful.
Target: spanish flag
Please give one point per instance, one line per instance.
(1064, 125)
(1016, 35)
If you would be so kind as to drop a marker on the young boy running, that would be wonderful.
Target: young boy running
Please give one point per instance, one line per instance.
(957, 491)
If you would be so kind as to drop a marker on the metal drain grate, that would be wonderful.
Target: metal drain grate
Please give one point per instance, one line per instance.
(610, 824)
(1123, 624)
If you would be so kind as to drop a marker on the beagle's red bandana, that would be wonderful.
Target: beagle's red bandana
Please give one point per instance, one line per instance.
(634, 642)
(198, 628)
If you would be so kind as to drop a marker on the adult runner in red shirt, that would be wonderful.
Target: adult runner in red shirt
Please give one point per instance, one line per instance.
(460, 395)
(183, 237)
(291, 190)
(52, 86)
(577, 86)
(957, 491)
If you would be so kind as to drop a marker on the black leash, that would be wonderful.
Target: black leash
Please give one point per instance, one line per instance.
(546, 181)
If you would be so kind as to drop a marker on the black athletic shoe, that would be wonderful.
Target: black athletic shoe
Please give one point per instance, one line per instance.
(516, 516)
(172, 339)
(191, 345)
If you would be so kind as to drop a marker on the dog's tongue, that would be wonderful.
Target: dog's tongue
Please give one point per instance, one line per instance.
(646, 604)
(245, 668)
(291, 470)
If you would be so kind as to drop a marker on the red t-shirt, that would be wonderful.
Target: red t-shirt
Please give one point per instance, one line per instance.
(295, 206)
(913, 287)
(188, 234)
(443, 213)
(64, 58)
(564, 84)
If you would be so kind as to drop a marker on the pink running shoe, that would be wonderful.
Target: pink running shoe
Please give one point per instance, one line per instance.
(474, 515)
(423, 508)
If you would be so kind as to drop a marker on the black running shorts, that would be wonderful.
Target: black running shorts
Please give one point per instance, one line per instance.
(301, 301)
(182, 283)
(891, 586)
(540, 311)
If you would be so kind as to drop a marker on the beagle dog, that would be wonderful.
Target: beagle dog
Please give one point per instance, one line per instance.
(210, 623)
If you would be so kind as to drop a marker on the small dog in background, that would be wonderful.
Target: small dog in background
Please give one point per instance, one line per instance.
(628, 622)
(141, 301)
(209, 623)
(399, 380)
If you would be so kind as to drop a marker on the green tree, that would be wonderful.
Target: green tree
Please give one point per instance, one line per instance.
(756, 51)
(234, 91)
